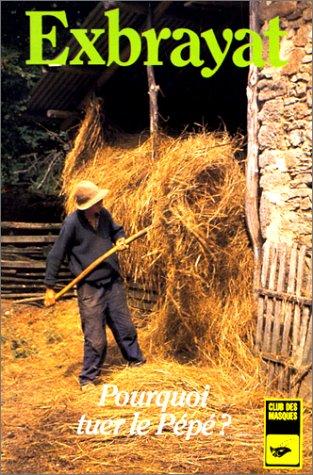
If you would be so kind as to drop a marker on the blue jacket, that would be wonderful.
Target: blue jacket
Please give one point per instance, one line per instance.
(81, 244)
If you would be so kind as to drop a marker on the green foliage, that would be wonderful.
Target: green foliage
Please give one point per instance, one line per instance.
(31, 154)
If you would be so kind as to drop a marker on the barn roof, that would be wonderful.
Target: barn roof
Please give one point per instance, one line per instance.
(64, 88)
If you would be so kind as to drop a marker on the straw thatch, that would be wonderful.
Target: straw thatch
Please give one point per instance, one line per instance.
(197, 254)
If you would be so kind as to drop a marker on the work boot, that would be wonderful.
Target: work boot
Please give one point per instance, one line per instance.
(90, 385)
(86, 388)
(135, 364)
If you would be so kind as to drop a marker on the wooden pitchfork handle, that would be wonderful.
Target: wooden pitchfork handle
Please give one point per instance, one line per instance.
(89, 269)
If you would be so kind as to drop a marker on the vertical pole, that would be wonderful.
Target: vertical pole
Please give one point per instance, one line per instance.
(252, 170)
(153, 99)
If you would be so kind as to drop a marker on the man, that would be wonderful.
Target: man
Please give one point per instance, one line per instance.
(86, 234)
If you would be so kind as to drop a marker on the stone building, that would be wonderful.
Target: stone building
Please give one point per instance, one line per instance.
(285, 128)
(280, 180)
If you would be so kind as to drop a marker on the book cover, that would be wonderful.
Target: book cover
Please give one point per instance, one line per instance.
(156, 170)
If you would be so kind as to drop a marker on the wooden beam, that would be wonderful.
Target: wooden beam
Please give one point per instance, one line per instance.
(22, 264)
(61, 114)
(278, 359)
(252, 170)
(26, 280)
(23, 285)
(36, 274)
(302, 372)
(285, 296)
(31, 295)
(153, 100)
(27, 239)
(22, 225)
(158, 12)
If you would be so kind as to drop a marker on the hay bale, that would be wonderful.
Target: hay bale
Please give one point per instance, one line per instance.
(197, 255)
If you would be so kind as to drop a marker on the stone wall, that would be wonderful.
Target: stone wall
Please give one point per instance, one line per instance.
(285, 127)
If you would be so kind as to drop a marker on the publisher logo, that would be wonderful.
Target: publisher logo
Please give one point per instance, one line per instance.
(283, 433)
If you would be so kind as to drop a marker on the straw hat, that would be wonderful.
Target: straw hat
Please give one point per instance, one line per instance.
(86, 194)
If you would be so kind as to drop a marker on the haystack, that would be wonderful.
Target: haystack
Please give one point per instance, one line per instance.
(197, 253)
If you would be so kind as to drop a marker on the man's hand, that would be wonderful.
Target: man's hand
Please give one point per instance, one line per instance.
(121, 244)
(49, 298)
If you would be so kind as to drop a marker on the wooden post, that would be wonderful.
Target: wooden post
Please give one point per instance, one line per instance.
(252, 170)
(297, 312)
(153, 99)
(278, 309)
(305, 327)
(270, 302)
(286, 345)
(262, 299)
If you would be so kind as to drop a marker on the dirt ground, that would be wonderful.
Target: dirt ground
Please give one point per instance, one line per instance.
(42, 404)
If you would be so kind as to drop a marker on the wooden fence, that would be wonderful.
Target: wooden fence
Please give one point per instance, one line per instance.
(284, 331)
(25, 247)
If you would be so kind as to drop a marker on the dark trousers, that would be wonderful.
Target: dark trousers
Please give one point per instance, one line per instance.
(99, 306)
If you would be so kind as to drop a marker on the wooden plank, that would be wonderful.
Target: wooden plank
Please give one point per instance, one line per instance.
(21, 255)
(266, 264)
(36, 274)
(307, 351)
(29, 294)
(285, 348)
(8, 271)
(23, 264)
(17, 286)
(269, 318)
(278, 359)
(40, 274)
(12, 248)
(23, 225)
(286, 297)
(305, 332)
(278, 307)
(9, 250)
(5, 280)
(261, 300)
(297, 311)
(27, 239)
(290, 289)
(21, 295)
(298, 379)
(29, 285)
